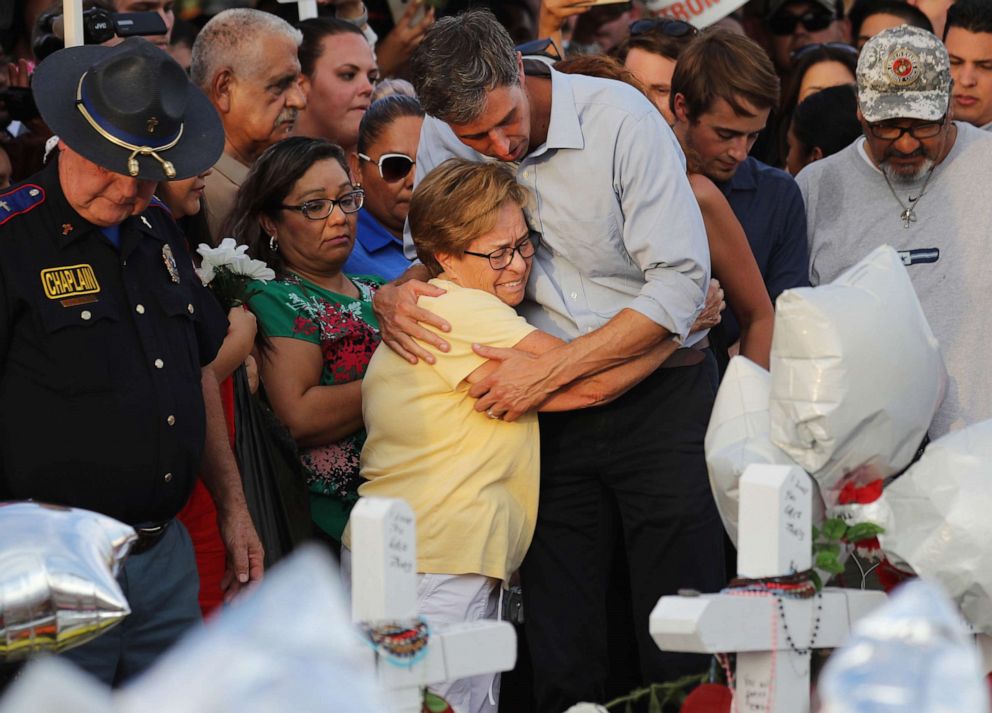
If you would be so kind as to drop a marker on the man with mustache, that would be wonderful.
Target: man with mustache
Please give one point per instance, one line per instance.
(246, 62)
(920, 182)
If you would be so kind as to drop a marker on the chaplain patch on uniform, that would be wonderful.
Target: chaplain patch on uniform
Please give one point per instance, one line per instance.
(69, 281)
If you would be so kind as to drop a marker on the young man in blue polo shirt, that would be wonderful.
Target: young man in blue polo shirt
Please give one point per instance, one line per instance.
(723, 91)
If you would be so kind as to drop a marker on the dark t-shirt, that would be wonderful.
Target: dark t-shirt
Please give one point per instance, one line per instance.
(770, 208)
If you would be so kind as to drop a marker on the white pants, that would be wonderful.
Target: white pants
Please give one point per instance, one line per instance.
(446, 599)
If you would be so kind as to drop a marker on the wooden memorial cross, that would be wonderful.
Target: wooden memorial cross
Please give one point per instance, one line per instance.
(772, 634)
(384, 589)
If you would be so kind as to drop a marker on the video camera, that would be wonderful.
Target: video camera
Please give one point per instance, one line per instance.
(99, 26)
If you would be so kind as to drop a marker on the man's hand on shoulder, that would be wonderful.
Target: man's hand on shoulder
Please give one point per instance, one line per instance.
(400, 319)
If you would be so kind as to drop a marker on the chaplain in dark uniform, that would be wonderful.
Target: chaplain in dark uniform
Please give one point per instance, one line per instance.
(107, 401)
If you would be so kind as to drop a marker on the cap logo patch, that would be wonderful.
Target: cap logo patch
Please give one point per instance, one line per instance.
(902, 67)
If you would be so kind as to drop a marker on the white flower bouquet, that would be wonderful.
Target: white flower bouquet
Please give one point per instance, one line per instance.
(227, 270)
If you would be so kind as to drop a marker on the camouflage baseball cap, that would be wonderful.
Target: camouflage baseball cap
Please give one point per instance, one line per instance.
(903, 73)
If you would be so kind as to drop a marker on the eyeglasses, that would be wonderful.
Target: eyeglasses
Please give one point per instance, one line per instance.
(320, 208)
(842, 46)
(392, 166)
(500, 259)
(544, 47)
(887, 132)
(785, 24)
(666, 25)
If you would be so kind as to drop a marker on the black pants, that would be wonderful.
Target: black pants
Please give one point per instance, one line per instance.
(643, 452)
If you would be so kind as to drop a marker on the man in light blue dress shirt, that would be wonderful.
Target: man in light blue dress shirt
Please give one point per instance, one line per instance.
(623, 266)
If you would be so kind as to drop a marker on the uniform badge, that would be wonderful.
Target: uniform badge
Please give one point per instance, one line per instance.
(902, 67)
(66, 228)
(70, 281)
(170, 263)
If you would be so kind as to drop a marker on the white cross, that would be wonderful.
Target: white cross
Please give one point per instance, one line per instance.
(306, 8)
(384, 589)
(4, 206)
(774, 539)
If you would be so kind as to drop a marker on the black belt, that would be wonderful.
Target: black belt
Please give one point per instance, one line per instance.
(148, 536)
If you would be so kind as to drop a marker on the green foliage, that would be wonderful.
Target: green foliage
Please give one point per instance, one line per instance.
(659, 695)
(433, 703)
(863, 531)
(827, 543)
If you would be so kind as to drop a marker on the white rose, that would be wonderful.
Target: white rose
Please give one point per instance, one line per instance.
(255, 269)
(224, 254)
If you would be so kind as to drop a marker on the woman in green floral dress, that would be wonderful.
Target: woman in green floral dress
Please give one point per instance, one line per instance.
(296, 210)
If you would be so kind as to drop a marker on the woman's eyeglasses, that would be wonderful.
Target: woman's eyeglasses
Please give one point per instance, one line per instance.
(500, 259)
(785, 23)
(665, 25)
(392, 166)
(320, 208)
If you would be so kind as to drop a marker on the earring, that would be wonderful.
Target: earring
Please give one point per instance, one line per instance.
(273, 243)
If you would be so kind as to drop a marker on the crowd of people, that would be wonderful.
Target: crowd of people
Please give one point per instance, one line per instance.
(504, 247)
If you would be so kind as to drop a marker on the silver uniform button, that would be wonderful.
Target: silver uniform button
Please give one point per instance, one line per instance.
(159, 363)
(85, 314)
(167, 477)
(171, 420)
(140, 309)
(189, 308)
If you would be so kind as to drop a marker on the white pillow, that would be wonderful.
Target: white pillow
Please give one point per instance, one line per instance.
(856, 373)
(738, 436)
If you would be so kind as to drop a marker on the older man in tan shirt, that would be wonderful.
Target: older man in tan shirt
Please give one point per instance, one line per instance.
(246, 62)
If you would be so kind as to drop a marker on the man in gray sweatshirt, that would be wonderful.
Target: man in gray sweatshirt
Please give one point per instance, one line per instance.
(922, 183)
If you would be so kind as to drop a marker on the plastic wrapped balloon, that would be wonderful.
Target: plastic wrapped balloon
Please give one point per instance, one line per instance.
(738, 436)
(288, 646)
(57, 570)
(912, 654)
(856, 374)
(936, 519)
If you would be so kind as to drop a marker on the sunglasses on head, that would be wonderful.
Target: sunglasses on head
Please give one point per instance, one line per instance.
(842, 46)
(813, 21)
(544, 47)
(392, 166)
(665, 25)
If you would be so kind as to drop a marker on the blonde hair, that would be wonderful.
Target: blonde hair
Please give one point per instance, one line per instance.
(456, 203)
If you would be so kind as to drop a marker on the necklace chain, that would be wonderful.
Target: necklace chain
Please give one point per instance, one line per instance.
(908, 215)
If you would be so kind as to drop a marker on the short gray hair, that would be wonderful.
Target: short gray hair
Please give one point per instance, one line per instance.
(459, 60)
(232, 39)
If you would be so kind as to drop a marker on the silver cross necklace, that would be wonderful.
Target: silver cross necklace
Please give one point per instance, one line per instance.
(908, 215)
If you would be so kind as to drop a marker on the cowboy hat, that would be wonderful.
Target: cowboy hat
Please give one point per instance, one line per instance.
(130, 109)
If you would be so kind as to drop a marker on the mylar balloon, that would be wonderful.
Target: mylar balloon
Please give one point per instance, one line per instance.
(57, 569)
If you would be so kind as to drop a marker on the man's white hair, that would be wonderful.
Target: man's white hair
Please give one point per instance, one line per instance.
(233, 40)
